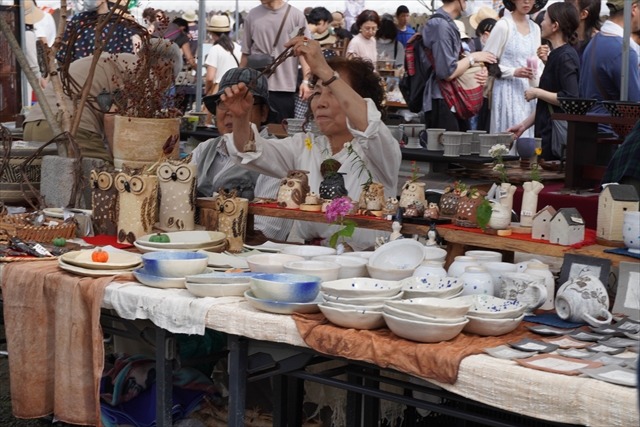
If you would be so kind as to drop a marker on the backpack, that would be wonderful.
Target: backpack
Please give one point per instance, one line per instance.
(416, 74)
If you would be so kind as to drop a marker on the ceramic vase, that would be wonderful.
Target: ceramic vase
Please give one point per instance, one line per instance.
(434, 139)
(465, 143)
(372, 197)
(411, 192)
(332, 186)
(529, 290)
(475, 140)
(500, 216)
(496, 270)
(542, 270)
(505, 195)
(232, 219)
(584, 299)
(466, 212)
(177, 195)
(529, 202)
(631, 231)
(459, 264)
(430, 268)
(477, 280)
(451, 142)
(526, 147)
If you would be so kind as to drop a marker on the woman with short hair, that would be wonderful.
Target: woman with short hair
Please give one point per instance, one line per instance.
(364, 44)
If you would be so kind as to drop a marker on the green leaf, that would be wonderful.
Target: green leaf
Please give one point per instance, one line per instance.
(483, 213)
(350, 222)
(333, 241)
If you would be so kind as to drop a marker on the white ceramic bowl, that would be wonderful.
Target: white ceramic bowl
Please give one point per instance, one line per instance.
(356, 319)
(423, 331)
(403, 254)
(219, 278)
(491, 327)
(350, 266)
(485, 256)
(270, 263)
(362, 254)
(280, 307)
(218, 290)
(308, 251)
(389, 273)
(360, 287)
(285, 287)
(431, 287)
(492, 307)
(158, 282)
(174, 264)
(325, 270)
(432, 307)
(359, 300)
(412, 316)
(353, 307)
(434, 254)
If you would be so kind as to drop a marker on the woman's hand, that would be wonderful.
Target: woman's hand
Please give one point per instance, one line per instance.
(531, 94)
(543, 53)
(524, 73)
(517, 130)
(483, 57)
(238, 99)
(311, 52)
(481, 76)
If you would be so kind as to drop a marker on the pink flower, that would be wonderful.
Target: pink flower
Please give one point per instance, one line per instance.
(338, 208)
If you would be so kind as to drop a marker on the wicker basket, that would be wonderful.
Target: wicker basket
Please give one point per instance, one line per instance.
(18, 226)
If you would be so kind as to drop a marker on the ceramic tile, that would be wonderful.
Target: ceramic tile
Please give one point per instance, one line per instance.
(558, 364)
(504, 352)
(613, 374)
(527, 344)
(565, 341)
(574, 353)
(581, 335)
(548, 330)
(605, 349)
(619, 342)
(607, 359)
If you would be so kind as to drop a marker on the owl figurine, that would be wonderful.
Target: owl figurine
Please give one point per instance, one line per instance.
(177, 194)
(104, 201)
(391, 206)
(412, 191)
(372, 197)
(232, 218)
(432, 211)
(293, 189)
(137, 203)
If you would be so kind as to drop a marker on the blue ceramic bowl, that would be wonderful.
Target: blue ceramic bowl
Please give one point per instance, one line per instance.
(286, 287)
(158, 282)
(174, 264)
(526, 147)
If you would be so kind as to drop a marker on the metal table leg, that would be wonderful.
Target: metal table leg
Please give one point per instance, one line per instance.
(165, 354)
(238, 347)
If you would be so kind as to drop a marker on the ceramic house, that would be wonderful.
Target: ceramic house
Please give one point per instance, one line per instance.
(567, 227)
(613, 202)
(542, 223)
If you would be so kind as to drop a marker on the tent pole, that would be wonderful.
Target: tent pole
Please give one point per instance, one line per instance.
(202, 33)
(626, 41)
(26, 102)
(237, 30)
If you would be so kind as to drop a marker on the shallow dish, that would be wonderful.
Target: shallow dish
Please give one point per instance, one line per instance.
(412, 316)
(285, 287)
(343, 306)
(403, 254)
(218, 247)
(219, 278)
(557, 364)
(218, 290)
(174, 264)
(270, 263)
(389, 273)
(269, 247)
(488, 327)
(145, 278)
(493, 307)
(432, 307)
(359, 300)
(360, 287)
(325, 270)
(117, 260)
(88, 272)
(434, 254)
(504, 352)
(579, 106)
(185, 240)
(308, 252)
(613, 374)
(280, 307)
(350, 266)
(431, 286)
(422, 331)
(356, 319)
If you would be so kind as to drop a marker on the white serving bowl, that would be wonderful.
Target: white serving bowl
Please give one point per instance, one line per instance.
(423, 331)
(356, 319)
(412, 316)
(491, 327)
(359, 300)
(485, 256)
(285, 287)
(270, 263)
(219, 278)
(360, 287)
(403, 254)
(280, 307)
(389, 273)
(218, 290)
(353, 307)
(325, 270)
(362, 254)
(432, 307)
(350, 266)
(434, 254)
(174, 264)
(308, 252)
(145, 278)
(431, 287)
(492, 307)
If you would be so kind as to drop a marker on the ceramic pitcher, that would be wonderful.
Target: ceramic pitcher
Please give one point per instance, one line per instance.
(584, 299)
(524, 288)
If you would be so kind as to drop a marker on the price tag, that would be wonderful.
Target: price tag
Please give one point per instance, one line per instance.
(526, 213)
(53, 223)
(503, 193)
(577, 219)
(41, 250)
(19, 144)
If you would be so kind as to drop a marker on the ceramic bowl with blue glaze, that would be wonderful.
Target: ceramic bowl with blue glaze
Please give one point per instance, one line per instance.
(492, 307)
(286, 287)
(431, 287)
(158, 282)
(281, 307)
(174, 264)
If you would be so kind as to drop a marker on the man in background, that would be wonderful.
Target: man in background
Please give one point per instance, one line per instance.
(404, 30)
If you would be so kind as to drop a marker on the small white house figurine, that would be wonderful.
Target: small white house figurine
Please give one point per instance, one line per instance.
(613, 202)
(542, 223)
(567, 227)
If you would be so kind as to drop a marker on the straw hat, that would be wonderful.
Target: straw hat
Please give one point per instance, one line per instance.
(325, 38)
(219, 24)
(462, 29)
(31, 13)
(190, 15)
(482, 14)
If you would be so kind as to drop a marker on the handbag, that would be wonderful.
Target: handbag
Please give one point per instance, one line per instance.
(558, 135)
(494, 73)
(262, 61)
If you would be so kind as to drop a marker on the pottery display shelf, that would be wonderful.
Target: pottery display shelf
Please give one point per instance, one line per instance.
(515, 174)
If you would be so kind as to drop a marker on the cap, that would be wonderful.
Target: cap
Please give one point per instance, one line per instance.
(32, 14)
(617, 5)
(482, 14)
(242, 75)
(219, 24)
(462, 29)
(190, 15)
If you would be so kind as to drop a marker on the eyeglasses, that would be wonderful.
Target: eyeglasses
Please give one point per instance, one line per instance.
(370, 29)
(223, 107)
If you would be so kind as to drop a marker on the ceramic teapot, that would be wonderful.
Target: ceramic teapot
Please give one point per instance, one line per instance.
(584, 299)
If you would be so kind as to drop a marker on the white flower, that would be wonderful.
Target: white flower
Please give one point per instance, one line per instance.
(498, 167)
(497, 150)
(347, 145)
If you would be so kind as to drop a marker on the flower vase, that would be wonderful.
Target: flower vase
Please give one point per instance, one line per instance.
(529, 202)
(466, 212)
(505, 195)
(500, 216)
(412, 191)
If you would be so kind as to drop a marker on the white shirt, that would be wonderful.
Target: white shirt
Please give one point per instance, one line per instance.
(615, 29)
(222, 60)
(46, 28)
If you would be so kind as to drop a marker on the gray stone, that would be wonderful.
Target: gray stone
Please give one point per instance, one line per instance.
(57, 181)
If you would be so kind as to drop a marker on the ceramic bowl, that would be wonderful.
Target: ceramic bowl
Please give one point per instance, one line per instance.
(362, 254)
(485, 256)
(270, 263)
(388, 274)
(431, 287)
(492, 307)
(361, 287)
(218, 290)
(359, 300)
(325, 270)
(403, 254)
(611, 108)
(145, 278)
(356, 319)
(219, 278)
(432, 307)
(174, 264)
(308, 252)
(423, 331)
(342, 306)
(579, 106)
(280, 307)
(629, 109)
(434, 254)
(412, 316)
(350, 266)
(488, 327)
(285, 287)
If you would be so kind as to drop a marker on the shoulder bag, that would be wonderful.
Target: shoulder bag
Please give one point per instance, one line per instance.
(262, 61)
(487, 91)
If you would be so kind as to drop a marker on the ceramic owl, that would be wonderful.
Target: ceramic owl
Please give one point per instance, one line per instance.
(432, 212)
(137, 203)
(232, 218)
(104, 201)
(391, 206)
(293, 189)
(372, 197)
(312, 199)
(332, 186)
(415, 209)
(412, 191)
(177, 194)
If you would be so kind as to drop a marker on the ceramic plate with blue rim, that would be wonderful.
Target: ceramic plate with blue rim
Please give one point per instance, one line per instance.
(613, 374)
(158, 282)
(283, 307)
(604, 349)
(527, 344)
(504, 352)
(574, 353)
(493, 307)
(548, 330)
(583, 335)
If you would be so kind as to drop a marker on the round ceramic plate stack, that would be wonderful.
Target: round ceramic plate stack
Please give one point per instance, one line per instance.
(223, 262)
(184, 241)
(357, 303)
(492, 316)
(170, 269)
(219, 284)
(426, 319)
(80, 262)
(284, 293)
(432, 287)
(396, 260)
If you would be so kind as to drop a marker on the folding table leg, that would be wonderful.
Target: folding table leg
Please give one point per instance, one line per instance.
(237, 379)
(165, 354)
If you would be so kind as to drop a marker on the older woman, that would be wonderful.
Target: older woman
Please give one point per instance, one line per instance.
(347, 105)
(364, 44)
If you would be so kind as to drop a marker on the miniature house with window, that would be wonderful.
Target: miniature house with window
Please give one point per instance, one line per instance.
(567, 227)
(542, 223)
(613, 202)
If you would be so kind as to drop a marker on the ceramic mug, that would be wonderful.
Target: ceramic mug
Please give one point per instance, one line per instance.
(527, 289)
(434, 139)
(486, 142)
(475, 141)
(465, 144)
(584, 299)
(451, 142)
(631, 231)
(412, 131)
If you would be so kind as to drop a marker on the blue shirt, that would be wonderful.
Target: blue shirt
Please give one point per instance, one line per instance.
(404, 36)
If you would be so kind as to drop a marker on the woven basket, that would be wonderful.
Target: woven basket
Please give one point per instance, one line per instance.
(18, 226)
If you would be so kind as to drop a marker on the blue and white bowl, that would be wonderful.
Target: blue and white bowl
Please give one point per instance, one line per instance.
(431, 287)
(281, 307)
(285, 287)
(492, 307)
(174, 264)
(158, 282)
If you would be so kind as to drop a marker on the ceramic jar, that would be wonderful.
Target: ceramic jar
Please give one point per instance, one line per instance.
(465, 143)
(486, 142)
(451, 142)
(584, 299)
(500, 216)
(526, 147)
(496, 270)
(522, 266)
(542, 270)
(527, 289)
(475, 141)
(529, 202)
(459, 264)
(412, 191)
(434, 139)
(631, 231)
(485, 256)
(505, 195)
(477, 280)
(430, 268)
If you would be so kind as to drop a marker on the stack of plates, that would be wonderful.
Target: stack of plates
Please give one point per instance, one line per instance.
(184, 241)
(223, 261)
(268, 246)
(218, 284)
(79, 262)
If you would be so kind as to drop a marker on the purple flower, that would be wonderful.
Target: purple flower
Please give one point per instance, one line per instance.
(338, 208)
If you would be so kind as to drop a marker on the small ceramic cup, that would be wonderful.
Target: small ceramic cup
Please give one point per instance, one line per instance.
(451, 142)
(486, 142)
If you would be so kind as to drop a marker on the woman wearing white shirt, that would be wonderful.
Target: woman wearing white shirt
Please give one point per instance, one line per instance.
(223, 56)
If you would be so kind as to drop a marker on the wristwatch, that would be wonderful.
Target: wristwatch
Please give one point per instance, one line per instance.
(332, 79)
(471, 60)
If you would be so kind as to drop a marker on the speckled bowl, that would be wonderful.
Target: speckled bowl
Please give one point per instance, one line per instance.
(432, 307)
(423, 331)
(174, 264)
(492, 307)
(361, 287)
(431, 287)
(285, 287)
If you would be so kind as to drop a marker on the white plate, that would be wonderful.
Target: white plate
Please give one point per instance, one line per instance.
(159, 282)
(89, 273)
(269, 246)
(146, 249)
(185, 240)
(117, 260)
(218, 290)
(224, 260)
(283, 307)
